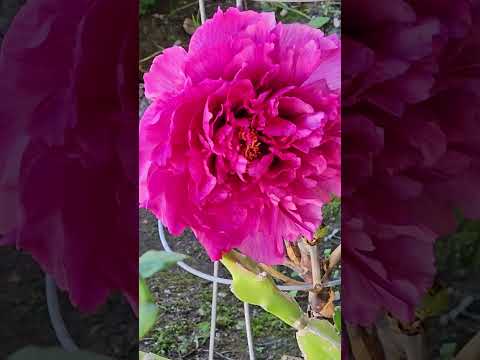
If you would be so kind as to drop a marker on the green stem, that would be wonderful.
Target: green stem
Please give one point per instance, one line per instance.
(298, 12)
(259, 289)
(317, 339)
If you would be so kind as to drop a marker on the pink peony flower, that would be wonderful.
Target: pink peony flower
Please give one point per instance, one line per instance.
(241, 142)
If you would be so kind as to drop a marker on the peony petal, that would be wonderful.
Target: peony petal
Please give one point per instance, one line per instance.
(279, 127)
(327, 70)
(217, 36)
(291, 107)
(166, 76)
(224, 26)
(299, 51)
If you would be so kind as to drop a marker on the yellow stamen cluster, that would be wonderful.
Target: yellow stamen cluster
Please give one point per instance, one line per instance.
(250, 145)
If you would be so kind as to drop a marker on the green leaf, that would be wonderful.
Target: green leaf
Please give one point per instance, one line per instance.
(434, 303)
(293, 293)
(36, 353)
(148, 310)
(203, 329)
(146, 6)
(319, 340)
(337, 319)
(447, 351)
(154, 261)
(318, 21)
(321, 232)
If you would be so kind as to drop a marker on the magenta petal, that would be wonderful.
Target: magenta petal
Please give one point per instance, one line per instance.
(260, 167)
(300, 50)
(293, 106)
(200, 174)
(267, 252)
(311, 122)
(226, 25)
(217, 36)
(166, 76)
(326, 70)
(280, 127)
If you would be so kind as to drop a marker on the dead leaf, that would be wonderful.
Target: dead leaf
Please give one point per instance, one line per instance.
(434, 303)
(189, 26)
(328, 308)
(357, 344)
(305, 262)
(332, 261)
(402, 340)
(293, 252)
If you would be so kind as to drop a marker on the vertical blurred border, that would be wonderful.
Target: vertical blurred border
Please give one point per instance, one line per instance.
(410, 175)
(68, 175)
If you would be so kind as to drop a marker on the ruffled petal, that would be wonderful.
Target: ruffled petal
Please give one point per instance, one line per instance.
(166, 76)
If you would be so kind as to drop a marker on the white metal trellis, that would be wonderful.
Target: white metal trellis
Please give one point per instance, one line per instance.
(56, 319)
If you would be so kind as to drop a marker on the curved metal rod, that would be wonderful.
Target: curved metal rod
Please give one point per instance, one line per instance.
(56, 319)
(224, 281)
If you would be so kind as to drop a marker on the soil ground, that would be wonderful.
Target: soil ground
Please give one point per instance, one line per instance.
(112, 330)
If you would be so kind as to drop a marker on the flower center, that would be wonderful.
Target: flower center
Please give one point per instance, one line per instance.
(250, 146)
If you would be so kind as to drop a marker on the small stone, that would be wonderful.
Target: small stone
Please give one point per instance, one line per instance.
(13, 278)
(96, 329)
(284, 12)
(240, 325)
